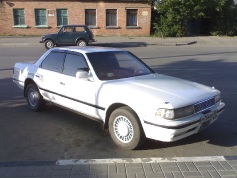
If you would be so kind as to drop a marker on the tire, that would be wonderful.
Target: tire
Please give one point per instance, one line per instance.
(49, 44)
(81, 43)
(34, 99)
(125, 128)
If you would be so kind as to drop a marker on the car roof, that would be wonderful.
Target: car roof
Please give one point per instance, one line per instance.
(87, 49)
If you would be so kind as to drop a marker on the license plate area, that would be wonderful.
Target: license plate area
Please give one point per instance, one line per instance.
(206, 119)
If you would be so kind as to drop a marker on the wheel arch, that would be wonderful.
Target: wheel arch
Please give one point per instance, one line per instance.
(80, 38)
(27, 82)
(54, 42)
(49, 39)
(110, 110)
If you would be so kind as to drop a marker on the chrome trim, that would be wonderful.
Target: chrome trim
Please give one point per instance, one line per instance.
(204, 105)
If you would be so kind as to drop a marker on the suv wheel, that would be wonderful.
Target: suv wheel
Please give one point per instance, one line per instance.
(49, 44)
(81, 43)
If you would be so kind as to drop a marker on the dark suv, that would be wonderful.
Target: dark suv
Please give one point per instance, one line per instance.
(79, 35)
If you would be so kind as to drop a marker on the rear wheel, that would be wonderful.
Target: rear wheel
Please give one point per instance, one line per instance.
(125, 128)
(81, 43)
(34, 99)
(49, 44)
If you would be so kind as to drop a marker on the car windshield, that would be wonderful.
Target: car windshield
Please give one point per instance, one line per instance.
(112, 65)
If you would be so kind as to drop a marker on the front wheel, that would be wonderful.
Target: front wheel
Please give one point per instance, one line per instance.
(34, 99)
(81, 43)
(125, 128)
(49, 44)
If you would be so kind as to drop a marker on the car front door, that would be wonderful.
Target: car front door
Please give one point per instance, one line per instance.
(66, 36)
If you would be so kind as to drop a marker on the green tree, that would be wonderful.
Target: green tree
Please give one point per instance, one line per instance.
(224, 21)
(173, 16)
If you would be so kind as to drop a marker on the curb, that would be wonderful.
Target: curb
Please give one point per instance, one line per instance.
(119, 44)
(144, 160)
(117, 161)
(18, 44)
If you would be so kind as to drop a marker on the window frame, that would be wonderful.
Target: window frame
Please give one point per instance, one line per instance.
(17, 17)
(129, 14)
(39, 19)
(58, 70)
(109, 18)
(92, 13)
(62, 16)
(80, 56)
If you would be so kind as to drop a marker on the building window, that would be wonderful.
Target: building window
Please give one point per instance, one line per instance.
(131, 17)
(19, 17)
(90, 17)
(40, 17)
(62, 17)
(111, 17)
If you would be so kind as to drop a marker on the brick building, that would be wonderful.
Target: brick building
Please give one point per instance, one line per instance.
(104, 17)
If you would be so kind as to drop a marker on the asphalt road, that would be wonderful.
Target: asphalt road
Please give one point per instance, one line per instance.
(56, 133)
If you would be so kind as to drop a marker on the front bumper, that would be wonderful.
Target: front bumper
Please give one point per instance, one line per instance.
(179, 130)
(41, 41)
(91, 41)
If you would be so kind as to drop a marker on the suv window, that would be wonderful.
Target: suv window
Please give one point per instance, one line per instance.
(80, 29)
(73, 63)
(67, 29)
(53, 61)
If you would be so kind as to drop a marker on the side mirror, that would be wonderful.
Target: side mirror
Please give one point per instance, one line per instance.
(81, 74)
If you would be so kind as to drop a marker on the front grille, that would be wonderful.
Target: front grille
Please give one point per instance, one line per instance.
(203, 105)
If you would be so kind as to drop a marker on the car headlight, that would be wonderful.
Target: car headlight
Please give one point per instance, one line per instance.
(217, 98)
(183, 112)
(165, 113)
(175, 113)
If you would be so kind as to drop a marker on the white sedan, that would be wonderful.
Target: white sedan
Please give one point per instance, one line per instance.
(116, 88)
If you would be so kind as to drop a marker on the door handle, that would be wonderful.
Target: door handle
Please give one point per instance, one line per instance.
(62, 83)
(38, 76)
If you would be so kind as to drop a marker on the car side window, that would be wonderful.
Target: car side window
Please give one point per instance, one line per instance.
(67, 29)
(80, 29)
(53, 61)
(73, 63)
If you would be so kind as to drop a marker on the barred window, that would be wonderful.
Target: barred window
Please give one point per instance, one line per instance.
(19, 17)
(62, 17)
(40, 17)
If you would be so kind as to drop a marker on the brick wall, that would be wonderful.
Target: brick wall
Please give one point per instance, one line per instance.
(76, 15)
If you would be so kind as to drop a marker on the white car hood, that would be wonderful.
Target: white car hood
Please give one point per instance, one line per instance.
(161, 88)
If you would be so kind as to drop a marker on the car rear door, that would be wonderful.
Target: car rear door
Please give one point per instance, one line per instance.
(80, 33)
(49, 74)
(80, 94)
